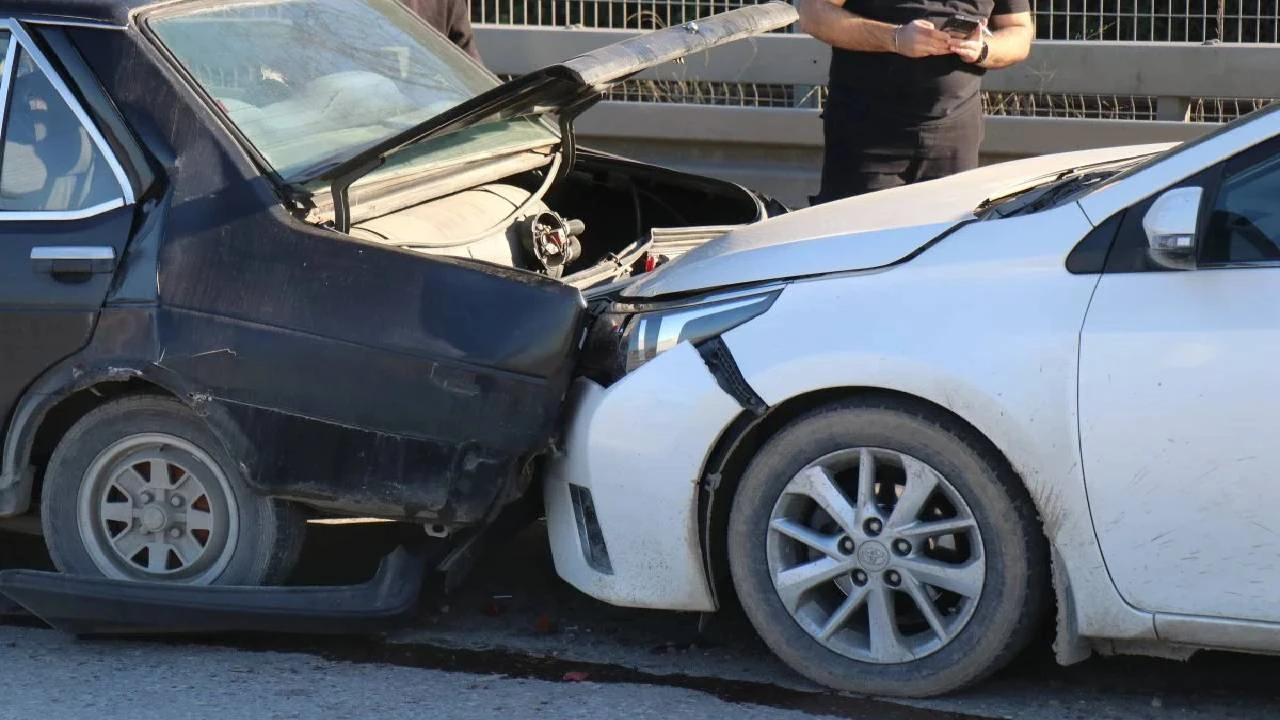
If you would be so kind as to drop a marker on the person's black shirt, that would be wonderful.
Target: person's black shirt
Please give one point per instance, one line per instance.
(450, 17)
(903, 90)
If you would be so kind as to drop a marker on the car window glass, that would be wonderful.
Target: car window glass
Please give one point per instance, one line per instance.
(1244, 224)
(311, 83)
(49, 162)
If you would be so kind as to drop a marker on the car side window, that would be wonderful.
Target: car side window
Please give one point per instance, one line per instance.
(49, 162)
(1243, 225)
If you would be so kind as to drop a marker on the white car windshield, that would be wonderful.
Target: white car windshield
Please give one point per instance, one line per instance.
(310, 83)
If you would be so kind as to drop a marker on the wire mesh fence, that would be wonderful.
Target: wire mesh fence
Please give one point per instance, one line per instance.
(1249, 21)
(1159, 21)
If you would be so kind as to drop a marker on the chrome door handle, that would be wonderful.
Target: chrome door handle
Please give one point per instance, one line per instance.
(66, 259)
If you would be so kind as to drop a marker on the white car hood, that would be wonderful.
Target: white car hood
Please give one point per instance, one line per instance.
(858, 233)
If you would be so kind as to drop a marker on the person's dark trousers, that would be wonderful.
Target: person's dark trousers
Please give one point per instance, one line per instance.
(866, 151)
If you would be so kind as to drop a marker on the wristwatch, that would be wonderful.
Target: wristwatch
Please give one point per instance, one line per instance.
(982, 56)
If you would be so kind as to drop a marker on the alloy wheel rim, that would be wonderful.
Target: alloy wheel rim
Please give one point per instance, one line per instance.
(876, 555)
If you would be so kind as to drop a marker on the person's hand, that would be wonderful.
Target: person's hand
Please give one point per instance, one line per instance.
(968, 48)
(919, 38)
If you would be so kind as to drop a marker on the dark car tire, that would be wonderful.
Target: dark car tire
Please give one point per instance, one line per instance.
(1013, 594)
(146, 469)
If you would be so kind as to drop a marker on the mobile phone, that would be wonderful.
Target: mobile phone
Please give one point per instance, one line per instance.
(961, 26)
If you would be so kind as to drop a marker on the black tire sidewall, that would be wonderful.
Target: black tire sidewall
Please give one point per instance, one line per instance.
(1008, 593)
(268, 540)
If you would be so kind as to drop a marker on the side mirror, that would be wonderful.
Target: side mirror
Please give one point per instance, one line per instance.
(1170, 225)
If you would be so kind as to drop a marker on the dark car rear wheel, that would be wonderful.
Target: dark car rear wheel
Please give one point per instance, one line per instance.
(879, 547)
(140, 489)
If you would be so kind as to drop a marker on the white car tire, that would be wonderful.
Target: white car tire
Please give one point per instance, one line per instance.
(965, 542)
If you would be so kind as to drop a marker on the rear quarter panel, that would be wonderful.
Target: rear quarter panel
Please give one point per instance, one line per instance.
(363, 377)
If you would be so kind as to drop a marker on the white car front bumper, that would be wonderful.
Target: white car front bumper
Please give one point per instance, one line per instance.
(633, 456)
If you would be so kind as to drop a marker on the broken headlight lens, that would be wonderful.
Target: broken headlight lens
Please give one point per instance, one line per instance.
(627, 336)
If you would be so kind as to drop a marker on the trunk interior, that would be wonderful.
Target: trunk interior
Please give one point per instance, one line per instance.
(604, 220)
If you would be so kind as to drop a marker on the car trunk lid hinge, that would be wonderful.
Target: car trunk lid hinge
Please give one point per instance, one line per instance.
(341, 189)
(568, 147)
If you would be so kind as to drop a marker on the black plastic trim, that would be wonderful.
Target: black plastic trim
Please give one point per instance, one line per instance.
(724, 368)
(99, 606)
(1089, 256)
(594, 549)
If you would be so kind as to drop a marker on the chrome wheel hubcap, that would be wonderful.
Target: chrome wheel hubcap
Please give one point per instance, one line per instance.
(876, 555)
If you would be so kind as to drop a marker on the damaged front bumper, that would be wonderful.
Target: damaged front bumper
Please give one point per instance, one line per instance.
(622, 500)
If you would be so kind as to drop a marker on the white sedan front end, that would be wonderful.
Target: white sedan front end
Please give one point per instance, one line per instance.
(900, 424)
(622, 499)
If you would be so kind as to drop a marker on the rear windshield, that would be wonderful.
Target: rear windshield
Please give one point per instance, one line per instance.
(311, 83)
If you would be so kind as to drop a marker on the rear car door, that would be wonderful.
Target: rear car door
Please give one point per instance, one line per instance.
(65, 216)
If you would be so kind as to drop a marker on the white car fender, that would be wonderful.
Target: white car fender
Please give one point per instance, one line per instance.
(984, 323)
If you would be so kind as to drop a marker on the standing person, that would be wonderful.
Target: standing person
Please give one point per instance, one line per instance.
(904, 102)
(450, 17)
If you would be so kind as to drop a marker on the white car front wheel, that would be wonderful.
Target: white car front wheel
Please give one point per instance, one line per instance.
(879, 547)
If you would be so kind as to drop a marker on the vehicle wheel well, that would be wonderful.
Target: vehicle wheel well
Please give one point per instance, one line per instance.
(58, 419)
(739, 444)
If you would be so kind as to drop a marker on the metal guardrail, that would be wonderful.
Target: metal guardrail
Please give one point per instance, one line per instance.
(778, 149)
(1128, 20)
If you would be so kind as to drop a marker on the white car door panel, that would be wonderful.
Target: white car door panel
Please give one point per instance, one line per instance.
(1179, 406)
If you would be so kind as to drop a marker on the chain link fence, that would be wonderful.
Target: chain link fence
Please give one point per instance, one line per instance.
(1249, 21)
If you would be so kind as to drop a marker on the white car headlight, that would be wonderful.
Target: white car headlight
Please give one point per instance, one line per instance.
(626, 336)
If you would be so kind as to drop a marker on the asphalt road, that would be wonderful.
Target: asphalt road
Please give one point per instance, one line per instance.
(514, 642)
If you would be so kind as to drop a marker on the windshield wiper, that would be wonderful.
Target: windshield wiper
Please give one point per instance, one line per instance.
(1043, 195)
(996, 200)
(1063, 189)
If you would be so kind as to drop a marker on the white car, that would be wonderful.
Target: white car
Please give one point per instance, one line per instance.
(897, 426)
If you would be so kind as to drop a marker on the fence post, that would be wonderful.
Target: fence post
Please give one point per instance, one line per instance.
(1173, 108)
(805, 96)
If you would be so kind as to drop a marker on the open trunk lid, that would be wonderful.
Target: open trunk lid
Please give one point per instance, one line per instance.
(569, 88)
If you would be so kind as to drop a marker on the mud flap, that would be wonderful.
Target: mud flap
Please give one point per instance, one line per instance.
(98, 606)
